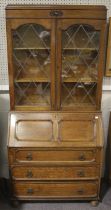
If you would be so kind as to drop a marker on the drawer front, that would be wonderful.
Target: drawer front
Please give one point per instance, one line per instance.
(54, 173)
(55, 190)
(51, 156)
(57, 12)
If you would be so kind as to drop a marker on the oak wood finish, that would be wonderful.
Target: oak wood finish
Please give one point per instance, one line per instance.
(47, 129)
(50, 190)
(44, 11)
(108, 60)
(56, 19)
(55, 151)
(60, 161)
(98, 25)
(54, 172)
(55, 155)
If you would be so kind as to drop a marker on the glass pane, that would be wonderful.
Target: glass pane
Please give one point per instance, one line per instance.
(32, 94)
(31, 54)
(80, 51)
(31, 36)
(77, 94)
(32, 65)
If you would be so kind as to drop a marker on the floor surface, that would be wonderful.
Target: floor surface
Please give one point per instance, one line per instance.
(104, 205)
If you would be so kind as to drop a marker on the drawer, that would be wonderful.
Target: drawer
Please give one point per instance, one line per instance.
(50, 156)
(54, 11)
(54, 172)
(50, 190)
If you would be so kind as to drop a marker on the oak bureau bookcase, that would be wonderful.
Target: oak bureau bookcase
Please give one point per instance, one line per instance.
(56, 64)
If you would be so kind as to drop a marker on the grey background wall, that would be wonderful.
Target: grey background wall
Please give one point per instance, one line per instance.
(4, 109)
(4, 96)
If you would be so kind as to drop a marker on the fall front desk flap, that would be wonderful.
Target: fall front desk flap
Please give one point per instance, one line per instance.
(32, 129)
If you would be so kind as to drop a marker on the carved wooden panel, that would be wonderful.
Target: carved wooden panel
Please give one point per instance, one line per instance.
(30, 130)
(69, 130)
(55, 129)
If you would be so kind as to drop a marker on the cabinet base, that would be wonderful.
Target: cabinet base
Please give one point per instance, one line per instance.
(15, 203)
(95, 203)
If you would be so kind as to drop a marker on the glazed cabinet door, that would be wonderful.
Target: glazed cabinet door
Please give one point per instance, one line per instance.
(31, 63)
(80, 63)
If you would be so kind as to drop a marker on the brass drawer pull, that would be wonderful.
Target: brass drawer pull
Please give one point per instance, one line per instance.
(56, 13)
(30, 191)
(29, 156)
(29, 174)
(81, 173)
(80, 192)
(82, 157)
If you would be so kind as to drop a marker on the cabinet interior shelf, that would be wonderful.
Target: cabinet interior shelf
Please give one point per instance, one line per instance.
(28, 78)
(32, 79)
(82, 80)
(66, 80)
(47, 48)
(31, 48)
(80, 48)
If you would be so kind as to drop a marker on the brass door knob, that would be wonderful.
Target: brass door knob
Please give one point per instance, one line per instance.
(56, 13)
(30, 191)
(29, 174)
(81, 173)
(82, 157)
(29, 156)
(80, 192)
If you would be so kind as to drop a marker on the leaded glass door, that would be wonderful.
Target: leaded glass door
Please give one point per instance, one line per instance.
(80, 64)
(32, 65)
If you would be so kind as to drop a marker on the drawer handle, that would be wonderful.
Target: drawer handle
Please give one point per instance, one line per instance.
(82, 157)
(29, 174)
(30, 191)
(29, 156)
(81, 173)
(56, 13)
(80, 192)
